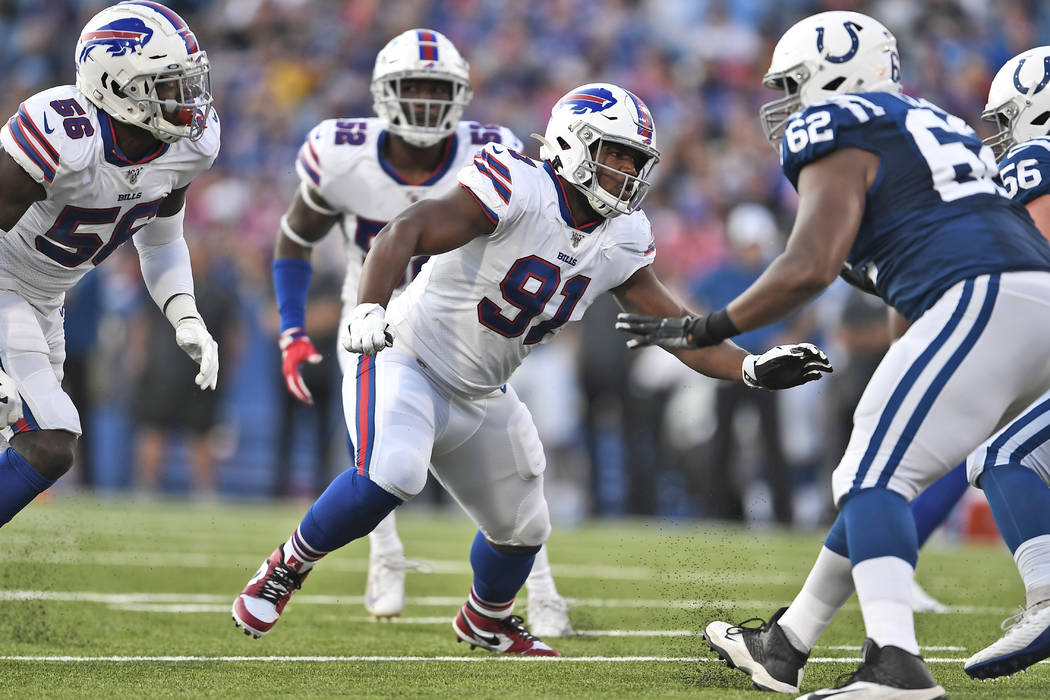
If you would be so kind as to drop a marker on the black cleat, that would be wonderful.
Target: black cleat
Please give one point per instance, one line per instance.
(886, 673)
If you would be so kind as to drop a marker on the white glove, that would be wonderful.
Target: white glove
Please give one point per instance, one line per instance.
(10, 401)
(367, 334)
(785, 366)
(195, 340)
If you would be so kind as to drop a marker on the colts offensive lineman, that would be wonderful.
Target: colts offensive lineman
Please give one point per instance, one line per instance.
(359, 174)
(520, 248)
(908, 199)
(82, 170)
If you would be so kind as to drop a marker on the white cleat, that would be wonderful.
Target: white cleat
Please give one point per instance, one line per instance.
(1027, 641)
(385, 589)
(549, 617)
(921, 601)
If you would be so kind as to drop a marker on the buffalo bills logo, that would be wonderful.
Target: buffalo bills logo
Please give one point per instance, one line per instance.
(589, 100)
(119, 37)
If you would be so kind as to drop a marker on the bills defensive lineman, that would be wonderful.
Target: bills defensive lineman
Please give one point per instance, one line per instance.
(359, 174)
(82, 170)
(908, 199)
(519, 249)
(1013, 466)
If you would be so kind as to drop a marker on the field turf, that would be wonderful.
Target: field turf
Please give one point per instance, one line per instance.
(115, 598)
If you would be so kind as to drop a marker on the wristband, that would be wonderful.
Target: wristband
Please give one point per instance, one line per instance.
(291, 283)
(712, 329)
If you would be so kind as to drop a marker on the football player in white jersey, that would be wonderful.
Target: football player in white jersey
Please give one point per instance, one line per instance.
(359, 174)
(82, 170)
(519, 248)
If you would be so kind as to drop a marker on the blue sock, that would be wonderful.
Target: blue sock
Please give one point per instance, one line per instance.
(497, 576)
(836, 539)
(879, 524)
(933, 505)
(19, 484)
(350, 508)
(1020, 502)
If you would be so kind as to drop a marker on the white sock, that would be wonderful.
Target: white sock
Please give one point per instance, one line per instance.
(384, 540)
(827, 588)
(299, 555)
(884, 590)
(1033, 561)
(540, 583)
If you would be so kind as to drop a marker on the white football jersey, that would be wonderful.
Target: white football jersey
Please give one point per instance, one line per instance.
(342, 160)
(474, 313)
(96, 197)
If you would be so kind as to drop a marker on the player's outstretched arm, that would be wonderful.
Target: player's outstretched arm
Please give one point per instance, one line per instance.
(428, 227)
(308, 220)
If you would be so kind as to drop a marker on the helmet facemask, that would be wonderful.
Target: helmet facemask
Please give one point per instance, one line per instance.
(776, 113)
(171, 104)
(420, 121)
(628, 190)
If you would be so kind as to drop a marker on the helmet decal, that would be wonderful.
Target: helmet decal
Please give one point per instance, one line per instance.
(596, 99)
(119, 37)
(851, 29)
(1042, 83)
(428, 50)
(180, 25)
(645, 119)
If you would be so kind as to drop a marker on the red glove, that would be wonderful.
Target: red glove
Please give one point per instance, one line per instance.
(296, 348)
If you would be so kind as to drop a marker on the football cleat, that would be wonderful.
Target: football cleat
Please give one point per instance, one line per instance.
(921, 601)
(762, 652)
(385, 589)
(507, 635)
(1027, 640)
(549, 617)
(886, 673)
(260, 604)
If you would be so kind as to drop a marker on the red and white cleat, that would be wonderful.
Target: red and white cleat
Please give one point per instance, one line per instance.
(260, 604)
(507, 635)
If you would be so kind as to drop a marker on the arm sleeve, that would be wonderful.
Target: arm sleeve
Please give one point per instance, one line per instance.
(165, 262)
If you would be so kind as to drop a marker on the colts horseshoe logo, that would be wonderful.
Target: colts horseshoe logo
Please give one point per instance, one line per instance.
(1042, 83)
(851, 29)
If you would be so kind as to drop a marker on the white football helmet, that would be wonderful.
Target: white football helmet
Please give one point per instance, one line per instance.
(139, 62)
(1019, 100)
(828, 54)
(420, 54)
(585, 119)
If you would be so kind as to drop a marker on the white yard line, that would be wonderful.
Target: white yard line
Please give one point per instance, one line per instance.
(206, 600)
(498, 658)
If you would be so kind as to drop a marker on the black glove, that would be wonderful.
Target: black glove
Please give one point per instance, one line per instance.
(678, 333)
(785, 366)
(863, 277)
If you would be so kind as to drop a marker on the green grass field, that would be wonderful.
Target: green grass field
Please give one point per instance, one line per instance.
(126, 599)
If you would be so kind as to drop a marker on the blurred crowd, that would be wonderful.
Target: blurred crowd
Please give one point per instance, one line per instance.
(625, 433)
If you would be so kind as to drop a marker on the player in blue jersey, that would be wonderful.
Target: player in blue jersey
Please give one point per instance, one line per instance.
(1017, 459)
(905, 199)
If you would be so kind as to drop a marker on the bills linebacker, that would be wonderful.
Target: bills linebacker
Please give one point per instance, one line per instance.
(82, 170)
(356, 175)
(520, 248)
(905, 200)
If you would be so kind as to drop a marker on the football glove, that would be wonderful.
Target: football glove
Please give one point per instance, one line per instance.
(785, 366)
(367, 332)
(195, 340)
(863, 278)
(10, 401)
(678, 333)
(297, 348)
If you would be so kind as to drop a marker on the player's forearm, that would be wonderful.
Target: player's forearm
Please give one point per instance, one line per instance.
(385, 264)
(786, 285)
(722, 361)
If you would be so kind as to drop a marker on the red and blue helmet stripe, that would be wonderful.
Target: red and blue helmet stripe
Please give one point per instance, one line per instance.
(428, 50)
(177, 22)
(645, 119)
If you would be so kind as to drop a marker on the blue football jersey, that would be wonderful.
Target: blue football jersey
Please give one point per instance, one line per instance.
(1025, 171)
(937, 212)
